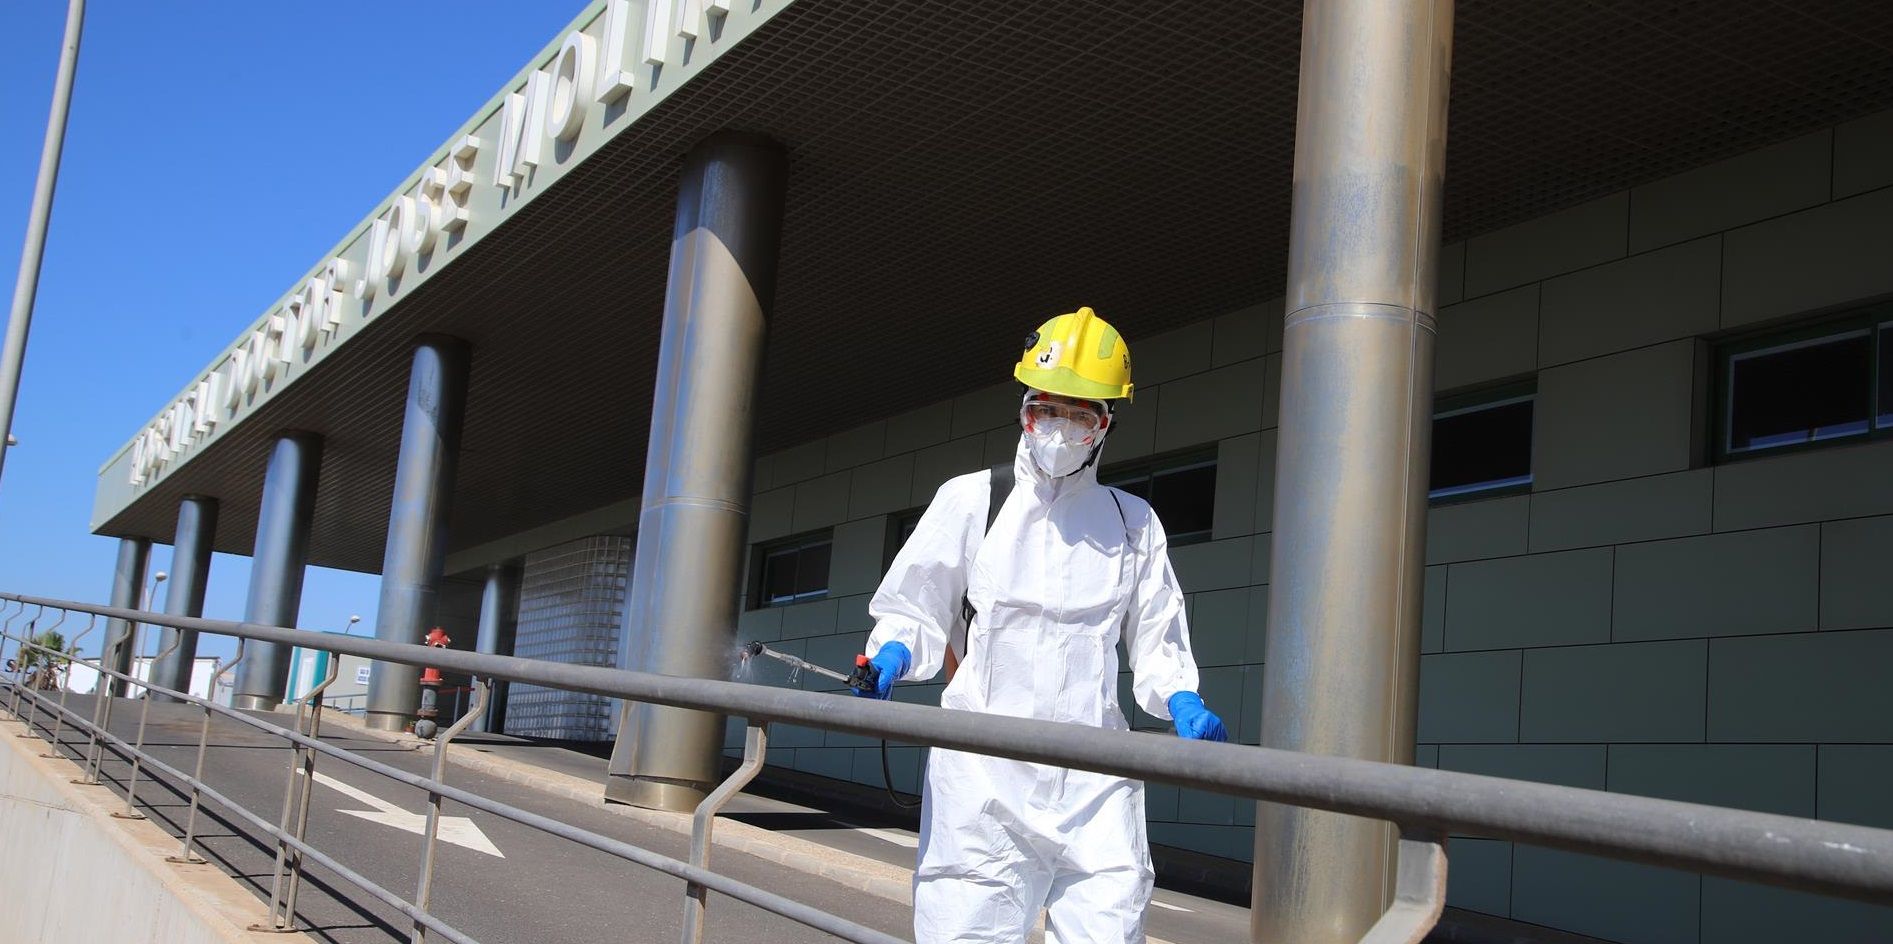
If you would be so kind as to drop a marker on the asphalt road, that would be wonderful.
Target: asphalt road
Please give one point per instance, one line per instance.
(539, 889)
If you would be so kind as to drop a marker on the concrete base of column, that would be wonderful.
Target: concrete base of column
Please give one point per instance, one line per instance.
(386, 720)
(656, 794)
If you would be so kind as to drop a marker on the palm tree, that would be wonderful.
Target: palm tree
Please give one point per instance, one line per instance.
(46, 670)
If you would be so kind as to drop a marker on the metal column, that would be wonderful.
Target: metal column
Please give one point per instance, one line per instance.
(127, 579)
(417, 521)
(499, 626)
(276, 568)
(680, 616)
(1356, 424)
(190, 575)
(26, 285)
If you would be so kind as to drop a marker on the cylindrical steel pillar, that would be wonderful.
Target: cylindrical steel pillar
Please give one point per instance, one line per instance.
(499, 624)
(1342, 667)
(417, 521)
(276, 567)
(190, 575)
(127, 578)
(680, 616)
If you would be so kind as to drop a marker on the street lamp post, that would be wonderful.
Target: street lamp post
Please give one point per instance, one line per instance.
(26, 286)
(137, 630)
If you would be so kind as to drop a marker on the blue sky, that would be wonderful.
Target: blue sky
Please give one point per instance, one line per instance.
(215, 151)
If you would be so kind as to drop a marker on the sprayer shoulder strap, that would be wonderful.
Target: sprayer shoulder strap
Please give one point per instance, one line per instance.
(1001, 486)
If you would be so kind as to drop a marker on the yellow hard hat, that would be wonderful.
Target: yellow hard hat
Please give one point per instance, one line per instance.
(1077, 355)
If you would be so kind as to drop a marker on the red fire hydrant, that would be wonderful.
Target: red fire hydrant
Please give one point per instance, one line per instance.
(424, 724)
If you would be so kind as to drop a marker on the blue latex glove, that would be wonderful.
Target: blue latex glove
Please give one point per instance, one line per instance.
(891, 662)
(1194, 720)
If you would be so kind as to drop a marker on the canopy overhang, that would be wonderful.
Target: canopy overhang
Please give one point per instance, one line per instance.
(958, 171)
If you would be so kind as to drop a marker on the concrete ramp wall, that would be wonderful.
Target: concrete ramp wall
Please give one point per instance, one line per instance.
(73, 873)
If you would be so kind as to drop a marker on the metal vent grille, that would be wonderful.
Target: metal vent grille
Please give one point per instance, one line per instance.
(960, 170)
(571, 601)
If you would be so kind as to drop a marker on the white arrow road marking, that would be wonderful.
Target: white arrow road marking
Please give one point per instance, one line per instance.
(458, 830)
(1169, 907)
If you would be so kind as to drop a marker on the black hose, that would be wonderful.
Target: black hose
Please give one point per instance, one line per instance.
(887, 779)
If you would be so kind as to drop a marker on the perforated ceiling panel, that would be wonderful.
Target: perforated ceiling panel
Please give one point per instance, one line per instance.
(960, 170)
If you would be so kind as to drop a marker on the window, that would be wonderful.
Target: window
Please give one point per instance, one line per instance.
(793, 571)
(900, 527)
(1805, 387)
(1182, 490)
(1483, 445)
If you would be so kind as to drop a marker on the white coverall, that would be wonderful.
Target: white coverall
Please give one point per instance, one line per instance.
(1061, 574)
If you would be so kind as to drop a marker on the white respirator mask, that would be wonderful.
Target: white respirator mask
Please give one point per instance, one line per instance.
(1060, 447)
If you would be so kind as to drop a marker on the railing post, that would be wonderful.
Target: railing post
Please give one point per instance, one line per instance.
(313, 701)
(19, 651)
(59, 717)
(755, 749)
(1419, 890)
(95, 755)
(282, 913)
(144, 716)
(425, 890)
(184, 854)
(32, 680)
(19, 658)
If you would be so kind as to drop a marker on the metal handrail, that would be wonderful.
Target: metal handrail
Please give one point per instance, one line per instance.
(1828, 858)
(282, 909)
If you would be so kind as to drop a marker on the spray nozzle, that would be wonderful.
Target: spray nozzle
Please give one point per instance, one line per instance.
(751, 649)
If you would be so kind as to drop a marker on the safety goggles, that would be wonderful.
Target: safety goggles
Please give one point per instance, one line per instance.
(1085, 414)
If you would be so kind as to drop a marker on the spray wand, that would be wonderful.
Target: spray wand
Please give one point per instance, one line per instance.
(864, 679)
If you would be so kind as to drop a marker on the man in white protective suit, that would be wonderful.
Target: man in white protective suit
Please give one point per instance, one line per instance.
(1020, 586)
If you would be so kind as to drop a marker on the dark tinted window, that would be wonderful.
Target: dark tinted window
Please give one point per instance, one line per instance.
(1182, 490)
(1886, 377)
(793, 571)
(1800, 393)
(1185, 500)
(899, 529)
(904, 526)
(1482, 447)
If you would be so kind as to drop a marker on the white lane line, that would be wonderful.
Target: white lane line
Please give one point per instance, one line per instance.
(1170, 907)
(888, 835)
